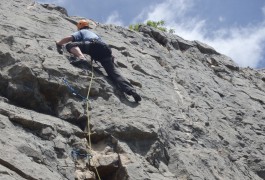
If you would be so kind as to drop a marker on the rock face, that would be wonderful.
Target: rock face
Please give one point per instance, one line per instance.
(201, 117)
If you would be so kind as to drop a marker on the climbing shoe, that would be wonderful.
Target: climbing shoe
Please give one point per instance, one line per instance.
(81, 63)
(78, 62)
(136, 96)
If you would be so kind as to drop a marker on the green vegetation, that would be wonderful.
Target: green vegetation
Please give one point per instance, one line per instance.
(134, 27)
(156, 24)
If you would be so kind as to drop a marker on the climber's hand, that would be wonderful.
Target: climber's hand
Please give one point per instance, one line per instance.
(59, 48)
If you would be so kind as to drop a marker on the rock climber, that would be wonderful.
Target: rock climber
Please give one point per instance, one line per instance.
(85, 41)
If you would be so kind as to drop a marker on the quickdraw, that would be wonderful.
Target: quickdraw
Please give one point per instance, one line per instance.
(73, 91)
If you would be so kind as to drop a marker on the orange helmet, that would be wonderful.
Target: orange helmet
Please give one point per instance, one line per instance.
(81, 24)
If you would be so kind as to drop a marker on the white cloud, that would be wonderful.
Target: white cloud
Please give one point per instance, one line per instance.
(243, 44)
(114, 18)
(221, 19)
(167, 10)
(263, 10)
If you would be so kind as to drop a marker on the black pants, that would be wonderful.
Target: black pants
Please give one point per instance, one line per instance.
(108, 65)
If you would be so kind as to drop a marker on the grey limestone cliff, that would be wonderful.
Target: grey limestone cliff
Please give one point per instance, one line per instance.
(201, 116)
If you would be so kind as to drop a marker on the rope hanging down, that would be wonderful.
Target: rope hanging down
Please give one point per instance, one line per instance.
(88, 120)
(75, 153)
(74, 92)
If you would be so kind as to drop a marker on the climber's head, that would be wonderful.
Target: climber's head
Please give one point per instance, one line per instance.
(82, 24)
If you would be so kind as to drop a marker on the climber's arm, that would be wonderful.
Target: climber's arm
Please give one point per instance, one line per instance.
(65, 40)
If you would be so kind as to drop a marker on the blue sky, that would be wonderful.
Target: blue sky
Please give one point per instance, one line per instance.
(235, 28)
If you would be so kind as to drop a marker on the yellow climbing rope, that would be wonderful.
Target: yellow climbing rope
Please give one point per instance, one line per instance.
(88, 120)
(87, 109)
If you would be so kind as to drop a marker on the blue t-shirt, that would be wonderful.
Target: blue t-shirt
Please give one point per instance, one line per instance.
(84, 35)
